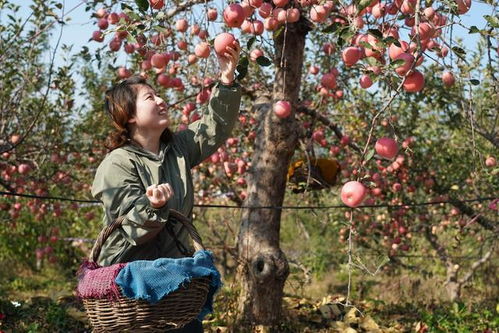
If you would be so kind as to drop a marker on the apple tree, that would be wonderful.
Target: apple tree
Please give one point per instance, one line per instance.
(379, 85)
(37, 151)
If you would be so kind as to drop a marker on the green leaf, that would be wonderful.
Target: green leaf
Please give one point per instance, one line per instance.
(371, 61)
(51, 13)
(475, 82)
(492, 20)
(242, 68)
(459, 52)
(346, 34)
(250, 43)
(278, 32)
(365, 45)
(373, 76)
(263, 61)
(396, 63)
(58, 5)
(340, 42)
(241, 72)
(142, 4)
(363, 4)
(369, 155)
(473, 30)
(133, 15)
(331, 28)
(376, 33)
(125, 7)
(160, 28)
(131, 39)
(243, 62)
(391, 40)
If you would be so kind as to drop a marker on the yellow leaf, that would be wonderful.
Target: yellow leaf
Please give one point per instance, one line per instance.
(351, 316)
(368, 324)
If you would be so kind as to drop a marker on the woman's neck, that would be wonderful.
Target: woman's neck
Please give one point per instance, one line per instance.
(148, 142)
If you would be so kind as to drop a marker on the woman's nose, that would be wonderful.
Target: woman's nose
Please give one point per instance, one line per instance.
(159, 100)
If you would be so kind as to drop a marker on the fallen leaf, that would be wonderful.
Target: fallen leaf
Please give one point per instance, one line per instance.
(368, 324)
(351, 316)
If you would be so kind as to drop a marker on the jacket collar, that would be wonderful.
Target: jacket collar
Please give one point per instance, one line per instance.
(134, 147)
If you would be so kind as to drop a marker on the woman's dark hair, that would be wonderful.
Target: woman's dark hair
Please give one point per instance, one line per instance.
(120, 105)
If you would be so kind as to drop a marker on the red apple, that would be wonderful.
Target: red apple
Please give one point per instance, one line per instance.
(318, 13)
(351, 55)
(234, 15)
(212, 14)
(463, 6)
(222, 41)
(490, 162)
(403, 68)
(181, 25)
(158, 60)
(280, 3)
(448, 79)
(353, 193)
(386, 147)
(202, 50)
(329, 81)
(282, 109)
(255, 54)
(157, 4)
(124, 73)
(365, 81)
(265, 10)
(100, 13)
(103, 23)
(98, 36)
(23, 168)
(414, 82)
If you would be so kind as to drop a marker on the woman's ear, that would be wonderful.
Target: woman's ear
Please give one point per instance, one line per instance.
(132, 120)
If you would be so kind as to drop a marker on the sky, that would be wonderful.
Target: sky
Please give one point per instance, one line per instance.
(79, 30)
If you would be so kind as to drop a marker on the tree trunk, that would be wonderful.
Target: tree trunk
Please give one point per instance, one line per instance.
(451, 285)
(263, 266)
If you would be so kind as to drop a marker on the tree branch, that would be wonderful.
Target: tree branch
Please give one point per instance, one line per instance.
(182, 6)
(328, 123)
(476, 265)
(7, 186)
(465, 209)
(491, 137)
(441, 251)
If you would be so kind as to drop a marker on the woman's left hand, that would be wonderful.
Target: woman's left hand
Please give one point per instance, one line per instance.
(228, 63)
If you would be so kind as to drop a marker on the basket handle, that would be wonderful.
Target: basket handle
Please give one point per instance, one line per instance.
(176, 215)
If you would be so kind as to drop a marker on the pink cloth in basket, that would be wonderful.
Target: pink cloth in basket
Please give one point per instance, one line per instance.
(98, 282)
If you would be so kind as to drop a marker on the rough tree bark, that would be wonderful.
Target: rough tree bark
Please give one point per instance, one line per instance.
(263, 266)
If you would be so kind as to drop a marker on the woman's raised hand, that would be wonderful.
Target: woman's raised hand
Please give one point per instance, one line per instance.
(159, 195)
(228, 63)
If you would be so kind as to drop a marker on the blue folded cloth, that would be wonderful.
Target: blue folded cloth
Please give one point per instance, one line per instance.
(151, 280)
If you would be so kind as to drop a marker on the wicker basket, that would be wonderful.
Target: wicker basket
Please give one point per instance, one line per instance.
(129, 315)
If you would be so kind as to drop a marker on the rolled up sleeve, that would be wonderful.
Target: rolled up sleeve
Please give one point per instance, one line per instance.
(204, 136)
(118, 186)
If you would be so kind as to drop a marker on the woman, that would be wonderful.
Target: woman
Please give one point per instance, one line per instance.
(147, 172)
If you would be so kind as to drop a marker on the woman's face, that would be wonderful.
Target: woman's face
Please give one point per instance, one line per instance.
(151, 111)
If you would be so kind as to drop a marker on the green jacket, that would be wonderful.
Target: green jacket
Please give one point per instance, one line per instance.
(124, 174)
